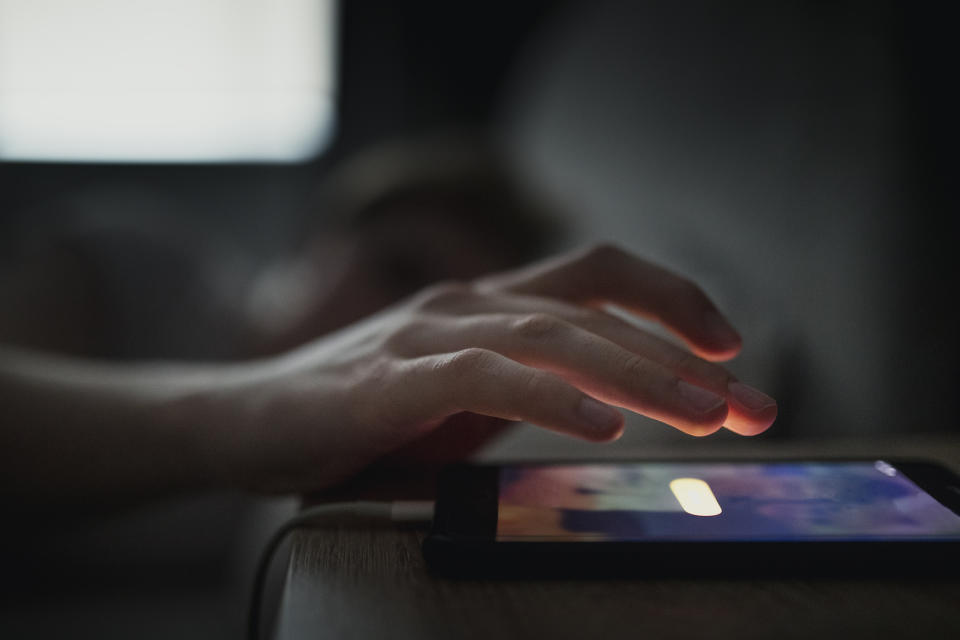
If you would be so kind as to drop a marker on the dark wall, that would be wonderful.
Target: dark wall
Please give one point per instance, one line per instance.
(792, 157)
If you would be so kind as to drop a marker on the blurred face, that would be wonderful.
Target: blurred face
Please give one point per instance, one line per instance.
(403, 252)
(346, 276)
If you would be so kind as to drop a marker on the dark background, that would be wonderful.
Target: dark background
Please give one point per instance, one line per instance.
(414, 65)
(403, 67)
(411, 66)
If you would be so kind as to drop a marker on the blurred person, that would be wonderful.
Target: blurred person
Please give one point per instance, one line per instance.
(121, 277)
(388, 222)
(433, 376)
(531, 344)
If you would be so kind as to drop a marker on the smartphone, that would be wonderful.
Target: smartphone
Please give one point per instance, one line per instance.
(696, 518)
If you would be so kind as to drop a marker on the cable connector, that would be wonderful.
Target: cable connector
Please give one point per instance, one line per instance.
(412, 511)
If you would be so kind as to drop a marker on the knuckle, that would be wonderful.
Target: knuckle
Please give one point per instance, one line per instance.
(465, 361)
(637, 368)
(690, 363)
(589, 319)
(442, 295)
(686, 361)
(603, 253)
(401, 338)
(537, 326)
(535, 385)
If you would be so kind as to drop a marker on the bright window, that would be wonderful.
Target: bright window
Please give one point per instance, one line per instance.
(166, 80)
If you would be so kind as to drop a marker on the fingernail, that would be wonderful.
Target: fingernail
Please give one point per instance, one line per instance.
(699, 398)
(721, 330)
(749, 397)
(598, 414)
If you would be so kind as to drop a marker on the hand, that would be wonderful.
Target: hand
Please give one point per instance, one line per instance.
(533, 344)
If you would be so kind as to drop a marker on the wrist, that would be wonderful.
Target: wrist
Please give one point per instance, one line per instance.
(211, 415)
(192, 418)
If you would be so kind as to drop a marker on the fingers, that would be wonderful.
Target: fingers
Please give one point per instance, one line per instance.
(608, 275)
(602, 368)
(646, 374)
(749, 411)
(485, 382)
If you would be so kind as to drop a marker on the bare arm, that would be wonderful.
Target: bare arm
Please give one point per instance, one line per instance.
(77, 429)
(533, 344)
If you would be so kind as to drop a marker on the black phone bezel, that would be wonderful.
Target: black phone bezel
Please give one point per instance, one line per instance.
(462, 541)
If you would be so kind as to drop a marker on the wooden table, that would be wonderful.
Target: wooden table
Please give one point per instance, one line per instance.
(372, 583)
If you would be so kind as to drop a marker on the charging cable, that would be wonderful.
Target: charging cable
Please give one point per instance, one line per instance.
(336, 513)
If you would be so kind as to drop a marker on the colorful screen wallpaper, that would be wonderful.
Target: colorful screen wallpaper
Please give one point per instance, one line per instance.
(742, 501)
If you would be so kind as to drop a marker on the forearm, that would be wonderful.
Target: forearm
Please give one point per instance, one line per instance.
(529, 345)
(77, 431)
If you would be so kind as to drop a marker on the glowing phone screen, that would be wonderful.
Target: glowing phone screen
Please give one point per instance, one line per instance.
(717, 501)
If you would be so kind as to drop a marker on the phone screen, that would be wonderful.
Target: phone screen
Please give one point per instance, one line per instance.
(773, 501)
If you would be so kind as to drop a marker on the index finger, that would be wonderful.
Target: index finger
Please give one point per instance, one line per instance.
(606, 274)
